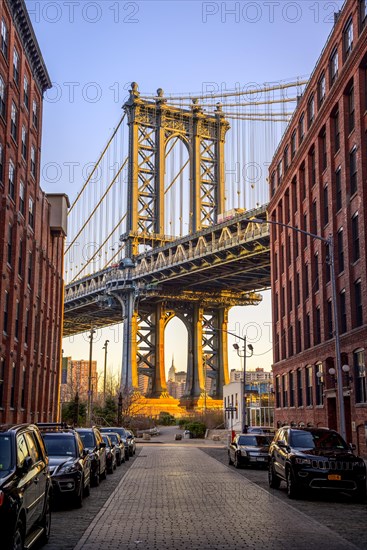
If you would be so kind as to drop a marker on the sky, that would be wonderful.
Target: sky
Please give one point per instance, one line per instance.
(94, 50)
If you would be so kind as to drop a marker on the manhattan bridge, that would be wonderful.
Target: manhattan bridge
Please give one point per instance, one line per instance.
(162, 228)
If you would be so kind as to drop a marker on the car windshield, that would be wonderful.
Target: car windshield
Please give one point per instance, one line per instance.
(254, 440)
(88, 439)
(316, 440)
(106, 439)
(5, 455)
(59, 445)
(113, 438)
(120, 431)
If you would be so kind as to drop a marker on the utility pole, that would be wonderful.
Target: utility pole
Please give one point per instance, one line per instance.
(105, 370)
(89, 407)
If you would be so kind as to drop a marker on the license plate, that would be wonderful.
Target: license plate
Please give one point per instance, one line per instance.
(260, 458)
(334, 477)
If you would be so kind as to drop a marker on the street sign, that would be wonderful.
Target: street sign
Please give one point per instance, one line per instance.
(231, 409)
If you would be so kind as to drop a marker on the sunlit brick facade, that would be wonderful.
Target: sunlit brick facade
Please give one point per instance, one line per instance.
(31, 232)
(318, 183)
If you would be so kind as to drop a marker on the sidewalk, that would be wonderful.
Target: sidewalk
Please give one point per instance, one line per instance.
(174, 498)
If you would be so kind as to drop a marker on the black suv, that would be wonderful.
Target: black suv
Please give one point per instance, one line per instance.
(68, 461)
(315, 458)
(249, 450)
(25, 487)
(96, 447)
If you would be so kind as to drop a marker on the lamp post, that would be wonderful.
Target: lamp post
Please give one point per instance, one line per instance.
(329, 241)
(105, 370)
(89, 406)
(237, 348)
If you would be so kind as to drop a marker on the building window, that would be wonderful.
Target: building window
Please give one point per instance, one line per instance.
(22, 401)
(4, 38)
(355, 238)
(314, 227)
(327, 264)
(319, 378)
(298, 290)
(12, 389)
(307, 289)
(11, 179)
(360, 374)
(309, 400)
(16, 66)
(330, 329)
(289, 248)
(35, 113)
(340, 251)
(30, 268)
(336, 130)
(291, 389)
(351, 108)
(10, 244)
(317, 326)
(1, 163)
(285, 391)
(16, 328)
(307, 332)
(326, 205)
(14, 122)
(2, 97)
(334, 66)
(353, 170)
(362, 13)
(358, 303)
(293, 144)
(26, 326)
(33, 161)
(24, 143)
(348, 38)
(301, 128)
(316, 264)
(26, 92)
(321, 90)
(20, 259)
(299, 388)
(6, 311)
(343, 312)
(277, 391)
(294, 195)
(21, 198)
(338, 188)
(298, 336)
(323, 149)
(280, 172)
(2, 373)
(282, 302)
(272, 184)
(276, 307)
(31, 212)
(285, 156)
(290, 346)
(311, 110)
(312, 167)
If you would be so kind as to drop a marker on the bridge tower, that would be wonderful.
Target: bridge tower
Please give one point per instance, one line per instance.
(152, 125)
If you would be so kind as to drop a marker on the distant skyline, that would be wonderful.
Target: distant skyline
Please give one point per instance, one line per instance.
(94, 50)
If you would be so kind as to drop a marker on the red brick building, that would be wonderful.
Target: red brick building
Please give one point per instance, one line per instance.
(318, 183)
(32, 230)
(75, 379)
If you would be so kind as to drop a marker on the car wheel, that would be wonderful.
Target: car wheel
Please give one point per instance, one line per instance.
(110, 469)
(230, 461)
(127, 456)
(17, 541)
(274, 480)
(87, 489)
(237, 463)
(103, 475)
(123, 459)
(292, 489)
(134, 451)
(118, 461)
(96, 479)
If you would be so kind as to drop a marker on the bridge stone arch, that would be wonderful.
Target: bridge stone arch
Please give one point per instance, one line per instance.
(152, 124)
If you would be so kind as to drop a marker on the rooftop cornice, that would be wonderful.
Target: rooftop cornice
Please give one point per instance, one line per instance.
(28, 38)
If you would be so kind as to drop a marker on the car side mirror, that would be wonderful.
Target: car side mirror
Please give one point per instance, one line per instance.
(27, 464)
(234, 444)
(282, 444)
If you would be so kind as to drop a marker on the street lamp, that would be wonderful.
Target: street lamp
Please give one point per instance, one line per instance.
(105, 370)
(237, 348)
(89, 406)
(329, 241)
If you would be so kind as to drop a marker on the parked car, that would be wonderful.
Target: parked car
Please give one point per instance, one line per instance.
(68, 461)
(110, 454)
(119, 446)
(315, 459)
(96, 447)
(131, 442)
(261, 430)
(249, 450)
(122, 433)
(25, 487)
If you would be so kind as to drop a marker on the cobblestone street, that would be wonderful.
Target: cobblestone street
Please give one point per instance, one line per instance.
(177, 496)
